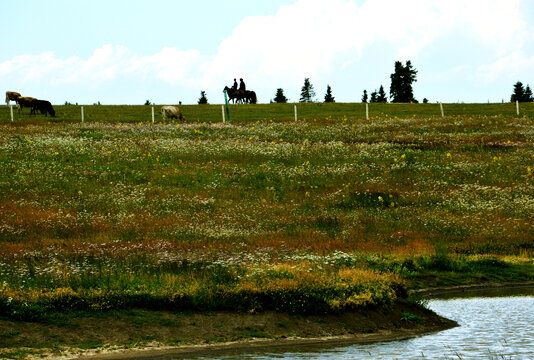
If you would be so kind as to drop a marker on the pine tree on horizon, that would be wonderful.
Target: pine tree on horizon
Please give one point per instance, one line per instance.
(365, 97)
(280, 97)
(374, 97)
(307, 93)
(401, 82)
(528, 94)
(203, 99)
(328, 98)
(382, 97)
(519, 92)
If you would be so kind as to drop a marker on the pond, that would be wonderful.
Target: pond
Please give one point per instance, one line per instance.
(492, 326)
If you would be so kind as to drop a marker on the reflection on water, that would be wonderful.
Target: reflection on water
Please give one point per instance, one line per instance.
(490, 328)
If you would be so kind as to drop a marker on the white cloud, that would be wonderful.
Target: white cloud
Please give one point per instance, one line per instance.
(512, 66)
(310, 38)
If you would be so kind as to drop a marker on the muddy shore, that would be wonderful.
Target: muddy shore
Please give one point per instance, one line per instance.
(142, 334)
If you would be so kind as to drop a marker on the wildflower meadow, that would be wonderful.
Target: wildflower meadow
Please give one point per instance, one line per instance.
(331, 212)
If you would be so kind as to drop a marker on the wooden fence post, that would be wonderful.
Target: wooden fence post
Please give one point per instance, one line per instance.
(295, 112)
(441, 107)
(152, 114)
(83, 115)
(11, 110)
(366, 111)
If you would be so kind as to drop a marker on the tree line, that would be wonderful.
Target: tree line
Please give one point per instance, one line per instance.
(400, 90)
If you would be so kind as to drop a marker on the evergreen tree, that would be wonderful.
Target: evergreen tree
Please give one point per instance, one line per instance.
(328, 96)
(365, 97)
(401, 82)
(280, 97)
(307, 93)
(519, 92)
(203, 99)
(382, 97)
(374, 97)
(528, 94)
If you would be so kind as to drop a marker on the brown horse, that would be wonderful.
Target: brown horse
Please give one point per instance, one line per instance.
(12, 95)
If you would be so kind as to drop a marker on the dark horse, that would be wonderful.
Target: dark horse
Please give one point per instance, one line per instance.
(241, 96)
(250, 97)
(235, 95)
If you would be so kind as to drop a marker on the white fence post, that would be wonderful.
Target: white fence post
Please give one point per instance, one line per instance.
(152, 114)
(441, 107)
(222, 108)
(83, 115)
(517, 106)
(11, 110)
(366, 111)
(295, 112)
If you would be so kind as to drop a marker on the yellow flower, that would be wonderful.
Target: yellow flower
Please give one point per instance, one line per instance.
(380, 199)
(449, 155)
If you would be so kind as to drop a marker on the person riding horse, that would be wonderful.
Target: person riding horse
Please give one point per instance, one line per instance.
(241, 95)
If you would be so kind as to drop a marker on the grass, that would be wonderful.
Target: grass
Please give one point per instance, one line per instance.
(330, 213)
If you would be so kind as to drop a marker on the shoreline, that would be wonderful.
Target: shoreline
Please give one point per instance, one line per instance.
(258, 345)
(473, 288)
(253, 345)
(317, 331)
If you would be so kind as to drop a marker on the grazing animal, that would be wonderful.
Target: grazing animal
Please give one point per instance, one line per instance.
(12, 95)
(26, 101)
(44, 106)
(172, 112)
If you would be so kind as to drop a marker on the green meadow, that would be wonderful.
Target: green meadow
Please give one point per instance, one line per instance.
(329, 213)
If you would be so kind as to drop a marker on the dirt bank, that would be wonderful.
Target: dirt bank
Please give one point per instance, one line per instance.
(148, 334)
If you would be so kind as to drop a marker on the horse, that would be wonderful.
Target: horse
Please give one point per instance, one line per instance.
(12, 95)
(235, 95)
(250, 97)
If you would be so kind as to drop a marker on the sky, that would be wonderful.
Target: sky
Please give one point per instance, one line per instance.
(168, 51)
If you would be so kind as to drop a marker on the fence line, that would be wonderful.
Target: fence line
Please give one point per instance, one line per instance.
(279, 112)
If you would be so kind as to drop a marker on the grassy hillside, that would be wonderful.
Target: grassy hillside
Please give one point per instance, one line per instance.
(329, 213)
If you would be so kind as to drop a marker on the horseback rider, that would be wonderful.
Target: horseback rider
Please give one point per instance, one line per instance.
(234, 87)
(242, 84)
